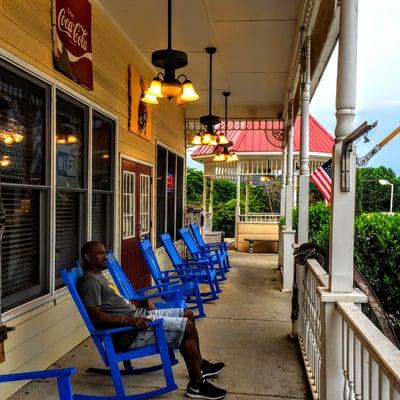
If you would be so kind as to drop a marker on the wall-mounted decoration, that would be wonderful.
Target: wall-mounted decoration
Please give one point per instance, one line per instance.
(139, 113)
(72, 40)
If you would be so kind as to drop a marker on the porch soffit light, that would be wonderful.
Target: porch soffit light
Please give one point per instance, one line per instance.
(209, 137)
(226, 154)
(165, 84)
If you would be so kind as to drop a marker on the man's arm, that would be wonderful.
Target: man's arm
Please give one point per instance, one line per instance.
(147, 303)
(100, 317)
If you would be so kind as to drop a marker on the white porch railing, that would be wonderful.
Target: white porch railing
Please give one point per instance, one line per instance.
(370, 363)
(255, 218)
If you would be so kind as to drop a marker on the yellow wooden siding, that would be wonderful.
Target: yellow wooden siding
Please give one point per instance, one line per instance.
(44, 334)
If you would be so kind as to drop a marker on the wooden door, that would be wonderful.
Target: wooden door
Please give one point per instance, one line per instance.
(136, 219)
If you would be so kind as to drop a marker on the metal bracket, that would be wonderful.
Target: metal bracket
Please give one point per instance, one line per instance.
(347, 149)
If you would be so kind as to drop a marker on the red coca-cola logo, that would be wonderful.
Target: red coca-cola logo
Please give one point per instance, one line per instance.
(72, 21)
(75, 30)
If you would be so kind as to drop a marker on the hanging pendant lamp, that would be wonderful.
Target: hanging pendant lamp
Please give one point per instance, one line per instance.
(165, 84)
(226, 154)
(209, 137)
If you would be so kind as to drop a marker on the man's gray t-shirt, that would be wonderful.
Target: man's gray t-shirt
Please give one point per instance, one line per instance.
(95, 291)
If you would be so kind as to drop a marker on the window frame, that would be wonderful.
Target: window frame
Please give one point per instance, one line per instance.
(44, 191)
(12, 62)
(182, 156)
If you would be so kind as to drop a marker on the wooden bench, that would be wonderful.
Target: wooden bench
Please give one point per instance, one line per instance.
(251, 242)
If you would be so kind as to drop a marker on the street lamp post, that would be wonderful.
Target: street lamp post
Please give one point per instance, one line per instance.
(384, 182)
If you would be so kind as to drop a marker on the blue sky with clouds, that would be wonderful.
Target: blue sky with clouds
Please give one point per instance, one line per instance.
(378, 81)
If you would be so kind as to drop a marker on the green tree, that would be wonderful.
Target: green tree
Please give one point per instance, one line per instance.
(194, 187)
(370, 195)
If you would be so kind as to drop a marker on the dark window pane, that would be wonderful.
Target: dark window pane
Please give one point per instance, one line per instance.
(22, 128)
(103, 153)
(161, 182)
(70, 228)
(23, 245)
(70, 140)
(171, 180)
(179, 194)
(102, 217)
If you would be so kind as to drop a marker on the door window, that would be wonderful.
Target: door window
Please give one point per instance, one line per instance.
(144, 204)
(128, 205)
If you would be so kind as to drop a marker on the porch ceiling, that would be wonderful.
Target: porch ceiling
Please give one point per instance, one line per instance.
(254, 39)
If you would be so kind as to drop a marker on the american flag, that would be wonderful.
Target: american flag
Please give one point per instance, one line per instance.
(322, 179)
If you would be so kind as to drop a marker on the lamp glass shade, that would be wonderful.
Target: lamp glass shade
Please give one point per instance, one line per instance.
(71, 139)
(206, 138)
(8, 139)
(188, 92)
(383, 181)
(213, 142)
(155, 88)
(171, 89)
(5, 161)
(235, 157)
(223, 139)
(197, 139)
(18, 137)
(149, 98)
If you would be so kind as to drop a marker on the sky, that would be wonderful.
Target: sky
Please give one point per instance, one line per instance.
(378, 82)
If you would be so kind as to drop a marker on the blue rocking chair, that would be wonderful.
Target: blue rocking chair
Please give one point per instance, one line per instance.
(219, 246)
(172, 297)
(63, 376)
(111, 356)
(217, 260)
(202, 268)
(186, 283)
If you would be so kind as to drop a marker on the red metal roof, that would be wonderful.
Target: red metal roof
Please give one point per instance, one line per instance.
(253, 140)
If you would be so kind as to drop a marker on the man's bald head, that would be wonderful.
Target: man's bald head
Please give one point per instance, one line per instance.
(89, 251)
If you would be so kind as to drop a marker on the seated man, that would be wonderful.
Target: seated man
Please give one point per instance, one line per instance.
(105, 307)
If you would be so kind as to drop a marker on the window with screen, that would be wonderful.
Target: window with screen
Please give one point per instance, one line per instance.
(169, 193)
(31, 191)
(71, 148)
(103, 136)
(24, 134)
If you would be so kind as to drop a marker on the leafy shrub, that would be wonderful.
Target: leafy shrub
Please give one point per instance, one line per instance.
(224, 218)
(377, 255)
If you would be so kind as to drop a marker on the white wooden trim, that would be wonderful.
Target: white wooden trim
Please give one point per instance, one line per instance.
(169, 148)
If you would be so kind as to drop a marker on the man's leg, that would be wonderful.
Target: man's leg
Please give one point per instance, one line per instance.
(191, 352)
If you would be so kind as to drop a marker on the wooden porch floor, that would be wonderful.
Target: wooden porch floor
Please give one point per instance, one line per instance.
(247, 329)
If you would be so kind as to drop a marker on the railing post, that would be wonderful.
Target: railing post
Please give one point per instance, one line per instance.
(332, 383)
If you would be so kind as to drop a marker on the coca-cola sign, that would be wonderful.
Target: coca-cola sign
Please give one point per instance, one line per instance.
(72, 40)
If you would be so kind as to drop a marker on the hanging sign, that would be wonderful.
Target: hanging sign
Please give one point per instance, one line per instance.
(72, 40)
(139, 113)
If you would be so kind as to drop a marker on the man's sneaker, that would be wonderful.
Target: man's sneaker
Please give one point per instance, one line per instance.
(208, 369)
(205, 390)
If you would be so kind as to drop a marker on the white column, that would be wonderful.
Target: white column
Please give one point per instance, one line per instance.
(343, 203)
(283, 190)
(289, 176)
(304, 190)
(246, 209)
(342, 212)
(211, 204)
(295, 188)
(237, 208)
(204, 203)
(288, 233)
